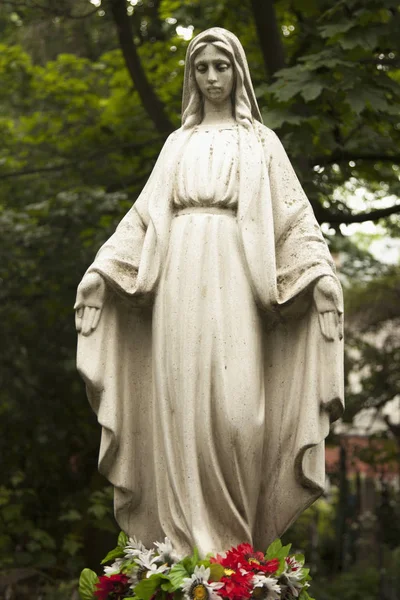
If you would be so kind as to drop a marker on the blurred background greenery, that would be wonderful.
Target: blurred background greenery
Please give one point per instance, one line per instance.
(88, 93)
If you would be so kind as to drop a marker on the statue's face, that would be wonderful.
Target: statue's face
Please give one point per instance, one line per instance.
(214, 74)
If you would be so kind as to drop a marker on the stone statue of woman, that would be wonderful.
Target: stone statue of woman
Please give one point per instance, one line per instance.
(210, 328)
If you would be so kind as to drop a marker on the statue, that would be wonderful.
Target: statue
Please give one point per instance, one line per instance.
(210, 328)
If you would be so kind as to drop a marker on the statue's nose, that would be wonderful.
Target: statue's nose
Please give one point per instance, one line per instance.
(212, 75)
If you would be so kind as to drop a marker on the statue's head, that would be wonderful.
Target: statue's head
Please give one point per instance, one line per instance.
(234, 78)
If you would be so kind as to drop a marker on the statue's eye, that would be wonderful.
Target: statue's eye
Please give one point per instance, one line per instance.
(223, 66)
(201, 68)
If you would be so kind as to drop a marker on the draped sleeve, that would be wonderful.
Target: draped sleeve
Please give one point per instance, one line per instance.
(302, 255)
(118, 260)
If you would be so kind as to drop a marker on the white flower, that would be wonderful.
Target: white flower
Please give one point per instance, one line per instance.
(293, 568)
(114, 568)
(156, 569)
(205, 590)
(292, 576)
(269, 584)
(147, 563)
(294, 585)
(133, 548)
(146, 559)
(166, 552)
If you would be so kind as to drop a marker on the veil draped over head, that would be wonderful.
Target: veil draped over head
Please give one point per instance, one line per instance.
(244, 101)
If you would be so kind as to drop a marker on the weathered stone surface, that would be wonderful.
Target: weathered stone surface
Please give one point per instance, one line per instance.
(210, 328)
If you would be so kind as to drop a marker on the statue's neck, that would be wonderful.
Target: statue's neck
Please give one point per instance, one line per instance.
(218, 114)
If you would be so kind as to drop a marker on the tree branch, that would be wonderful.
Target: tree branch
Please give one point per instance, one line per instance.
(269, 35)
(373, 215)
(151, 102)
(77, 161)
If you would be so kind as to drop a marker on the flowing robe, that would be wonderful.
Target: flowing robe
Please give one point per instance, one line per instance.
(284, 254)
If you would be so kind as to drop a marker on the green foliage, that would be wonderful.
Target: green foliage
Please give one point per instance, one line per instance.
(87, 584)
(113, 554)
(318, 521)
(178, 573)
(122, 540)
(276, 550)
(356, 584)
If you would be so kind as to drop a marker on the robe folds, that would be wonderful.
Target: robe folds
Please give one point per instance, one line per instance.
(283, 254)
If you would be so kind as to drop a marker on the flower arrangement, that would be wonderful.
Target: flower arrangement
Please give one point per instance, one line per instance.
(161, 574)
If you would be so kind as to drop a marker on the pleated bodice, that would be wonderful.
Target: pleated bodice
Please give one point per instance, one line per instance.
(207, 171)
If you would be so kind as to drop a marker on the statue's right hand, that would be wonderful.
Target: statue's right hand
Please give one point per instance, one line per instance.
(89, 302)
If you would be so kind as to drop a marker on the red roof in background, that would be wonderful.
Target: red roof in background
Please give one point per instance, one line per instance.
(359, 447)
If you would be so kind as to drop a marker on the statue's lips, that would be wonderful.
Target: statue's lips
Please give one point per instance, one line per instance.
(213, 90)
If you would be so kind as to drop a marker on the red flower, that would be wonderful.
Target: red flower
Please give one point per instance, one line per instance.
(244, 557)
(237, 585)
(270, 566)
(240, 564)
(113, 587)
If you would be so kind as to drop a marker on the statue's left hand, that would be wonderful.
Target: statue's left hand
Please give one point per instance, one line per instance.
(328, 302)
(89, 302)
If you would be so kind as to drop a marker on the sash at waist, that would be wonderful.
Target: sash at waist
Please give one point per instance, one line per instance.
(213, 210)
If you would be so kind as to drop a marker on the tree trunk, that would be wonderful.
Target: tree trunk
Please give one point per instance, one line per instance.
(151, 103)
(269, 35)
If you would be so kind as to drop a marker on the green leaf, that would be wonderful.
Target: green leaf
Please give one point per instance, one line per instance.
(305, 595)
(300, 558)
(177, 575)
(275, 118)
(115, 553)
(312, 90)
(281, 567)
(71, 516)
(87, 584)
(285, 551)
(195, 557)
(189, 562)
(146, 588)
(328, 31)
(216, 572)
(276, 550)
(273, 549)
(122, 539)
(71, 545)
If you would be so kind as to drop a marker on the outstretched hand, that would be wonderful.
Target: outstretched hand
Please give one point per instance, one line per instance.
(89, 303)
(328, 302)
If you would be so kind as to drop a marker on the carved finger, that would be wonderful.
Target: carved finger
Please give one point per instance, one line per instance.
(341, 332)
(93, 314)
(321, 324)
(328, 325)
(78, 319)
(84, 320)
(332, 327)
(87, 320)
(96, 319)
